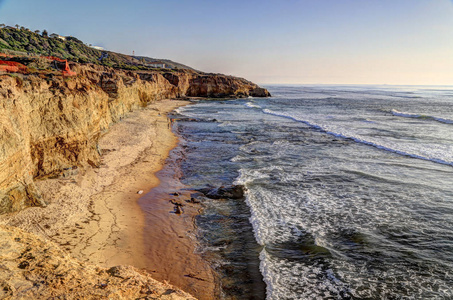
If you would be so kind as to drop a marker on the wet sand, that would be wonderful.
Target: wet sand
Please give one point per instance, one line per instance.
(94, 214)
(170, 241)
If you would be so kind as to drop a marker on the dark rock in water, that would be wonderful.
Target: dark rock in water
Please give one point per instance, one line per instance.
(187, 119)
(174, 194)
(259, 92)
(190, 119)
(196, 198)
(193, 200)
(197, 195)
(232, 192)
(177, 207)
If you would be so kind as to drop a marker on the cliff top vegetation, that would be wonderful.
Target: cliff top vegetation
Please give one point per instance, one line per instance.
(20, 40)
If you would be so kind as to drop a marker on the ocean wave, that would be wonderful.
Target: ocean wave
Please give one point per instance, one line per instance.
(252, 105)
(418, 116)
(359, 139)
(248, 175)
(239, 158)
(179, 110)
(225, 124)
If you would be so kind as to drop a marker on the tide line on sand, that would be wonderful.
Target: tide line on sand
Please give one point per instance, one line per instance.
(95, 216)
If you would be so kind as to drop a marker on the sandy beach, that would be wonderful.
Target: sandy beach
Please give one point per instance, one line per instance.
(94, 215)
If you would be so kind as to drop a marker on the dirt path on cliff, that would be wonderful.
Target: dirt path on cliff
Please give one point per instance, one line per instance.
(94, 215)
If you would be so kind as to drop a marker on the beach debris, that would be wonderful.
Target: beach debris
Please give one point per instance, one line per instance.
(140, 192)
(174, 194)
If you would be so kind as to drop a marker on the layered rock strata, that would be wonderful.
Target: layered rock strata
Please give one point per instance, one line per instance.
(50, 125)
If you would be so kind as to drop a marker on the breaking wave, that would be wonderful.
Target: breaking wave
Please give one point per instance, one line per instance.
(419, 116)
(359, 139)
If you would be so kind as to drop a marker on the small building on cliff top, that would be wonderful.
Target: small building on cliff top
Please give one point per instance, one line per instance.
(54, 35)
(97, 48)
(156, 64)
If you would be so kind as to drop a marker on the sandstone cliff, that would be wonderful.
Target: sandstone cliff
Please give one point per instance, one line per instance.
(33, 268)
(50, 124)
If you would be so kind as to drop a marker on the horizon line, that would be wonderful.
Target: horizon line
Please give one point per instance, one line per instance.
(385, 84)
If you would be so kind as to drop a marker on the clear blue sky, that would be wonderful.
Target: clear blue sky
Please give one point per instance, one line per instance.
(285, 41)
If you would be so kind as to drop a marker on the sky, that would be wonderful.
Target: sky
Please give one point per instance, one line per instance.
(402, 42)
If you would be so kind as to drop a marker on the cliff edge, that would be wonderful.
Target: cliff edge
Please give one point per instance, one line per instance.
(50, 124)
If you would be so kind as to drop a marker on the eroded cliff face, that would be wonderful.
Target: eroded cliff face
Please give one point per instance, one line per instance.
(192, 84)
(33, 268)
(50, 125)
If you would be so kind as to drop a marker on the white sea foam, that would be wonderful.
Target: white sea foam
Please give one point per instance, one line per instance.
(303, 280)
(305, 187)
(239, 158)
(420, 116)
(446, 153)
(404, 114)
(182, 110)
(247, 176)
(278, 217)
(281, 143)
(225, 124)
(252, 105)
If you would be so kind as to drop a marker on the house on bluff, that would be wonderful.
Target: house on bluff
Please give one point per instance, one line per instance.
(54, 35)
(156, 64)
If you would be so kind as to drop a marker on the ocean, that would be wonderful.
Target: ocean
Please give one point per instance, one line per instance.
(349, 191)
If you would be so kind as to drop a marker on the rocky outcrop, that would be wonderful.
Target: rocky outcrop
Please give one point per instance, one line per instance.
(259, 92)
(231, 192)
(32, 268)
(193, 84)
(51, 124)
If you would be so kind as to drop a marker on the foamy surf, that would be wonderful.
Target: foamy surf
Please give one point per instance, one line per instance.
(447, 151)
(332, 216)
(420, 116)
(252, 105)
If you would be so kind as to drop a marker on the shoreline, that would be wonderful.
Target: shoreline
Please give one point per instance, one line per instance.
(94, 213)
(176, 232)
